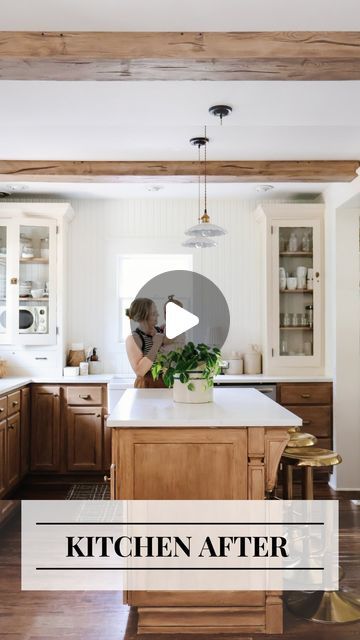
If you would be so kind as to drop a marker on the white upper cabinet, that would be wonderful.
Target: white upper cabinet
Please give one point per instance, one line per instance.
(293, 275)
(31, 272)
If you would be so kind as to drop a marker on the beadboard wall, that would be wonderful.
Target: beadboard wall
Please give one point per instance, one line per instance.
(102, 229)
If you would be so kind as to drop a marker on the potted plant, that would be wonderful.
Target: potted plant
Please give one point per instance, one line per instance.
(189, 371)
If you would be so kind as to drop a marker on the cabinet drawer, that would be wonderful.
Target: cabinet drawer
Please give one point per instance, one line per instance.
(3, 407)
(316, 420)
(13, 402)
(299, 393)
(90, 395)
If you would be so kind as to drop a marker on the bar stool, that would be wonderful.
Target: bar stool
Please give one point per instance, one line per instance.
(319, 606)
(305, 458)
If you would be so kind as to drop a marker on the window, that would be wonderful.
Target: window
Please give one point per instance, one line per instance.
(133, 271)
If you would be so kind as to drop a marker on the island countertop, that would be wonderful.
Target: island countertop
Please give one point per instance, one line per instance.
(231, 408)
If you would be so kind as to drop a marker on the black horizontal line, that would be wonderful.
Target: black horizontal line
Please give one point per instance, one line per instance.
(294, 524)
(179, 568)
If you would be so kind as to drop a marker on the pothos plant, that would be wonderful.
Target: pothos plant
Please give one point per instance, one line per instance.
(180, 363)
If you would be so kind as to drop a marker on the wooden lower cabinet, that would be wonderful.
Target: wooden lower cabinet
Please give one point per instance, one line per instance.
(25, 432)
(13, 450)
(312, 402)
(202, 463)
(3, 473)
(84, 438)
(45, 428)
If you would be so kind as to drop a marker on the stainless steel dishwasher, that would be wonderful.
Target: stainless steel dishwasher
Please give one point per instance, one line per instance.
(268, 390)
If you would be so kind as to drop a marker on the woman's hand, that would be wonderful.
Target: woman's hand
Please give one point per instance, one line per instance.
(158, 340)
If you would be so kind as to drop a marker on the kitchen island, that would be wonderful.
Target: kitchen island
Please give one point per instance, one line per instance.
(229, 449)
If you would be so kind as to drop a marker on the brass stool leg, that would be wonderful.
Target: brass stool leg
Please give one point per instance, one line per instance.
(307, 488)
(287, 478)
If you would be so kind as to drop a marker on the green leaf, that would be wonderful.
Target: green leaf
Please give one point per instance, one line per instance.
(191, 386)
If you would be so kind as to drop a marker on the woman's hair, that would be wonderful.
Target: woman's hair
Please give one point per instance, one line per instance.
(139, 309)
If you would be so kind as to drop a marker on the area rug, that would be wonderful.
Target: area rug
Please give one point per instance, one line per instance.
(89, 492)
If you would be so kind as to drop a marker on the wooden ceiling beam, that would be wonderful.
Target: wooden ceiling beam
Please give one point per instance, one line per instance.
(288, 55)
(178, 171)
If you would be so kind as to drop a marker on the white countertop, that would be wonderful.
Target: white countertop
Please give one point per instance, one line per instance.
(261, 377)
(231, 408)
(10, 383)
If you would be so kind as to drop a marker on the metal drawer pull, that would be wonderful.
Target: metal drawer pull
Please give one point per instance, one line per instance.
(40, 358)
(11, 426)
(106, 416)
(87, 397)
(1, 409)
(107, 478)
(305, 395)
(266, 390)
(306, 421)
(15, 402)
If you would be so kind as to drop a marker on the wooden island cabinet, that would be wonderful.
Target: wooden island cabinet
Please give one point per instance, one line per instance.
(226, 450)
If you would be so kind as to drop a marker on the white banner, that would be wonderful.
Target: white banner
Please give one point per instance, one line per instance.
(180, 545)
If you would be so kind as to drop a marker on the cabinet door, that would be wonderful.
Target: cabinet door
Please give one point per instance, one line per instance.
(25, 431)
(8, 292)
(36, 303)
(296, 293)
(45, 428)
(3, 473)
(13, 450)
(84, 438)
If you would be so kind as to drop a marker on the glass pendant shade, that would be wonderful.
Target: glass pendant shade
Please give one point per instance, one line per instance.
(205, 230)
(199, 242)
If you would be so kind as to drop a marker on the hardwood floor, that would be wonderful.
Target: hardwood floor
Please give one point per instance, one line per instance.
(90, 615)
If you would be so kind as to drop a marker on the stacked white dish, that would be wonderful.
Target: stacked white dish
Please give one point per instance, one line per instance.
(25, 288)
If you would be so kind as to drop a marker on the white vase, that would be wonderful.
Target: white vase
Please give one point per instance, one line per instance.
(200, 394)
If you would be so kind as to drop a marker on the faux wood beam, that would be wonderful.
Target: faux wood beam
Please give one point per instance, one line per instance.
(289, 55)
(178, 171)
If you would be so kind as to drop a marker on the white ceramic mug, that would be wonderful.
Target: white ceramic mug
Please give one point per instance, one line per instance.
(301, 282)
(291, 283)
(301, 271)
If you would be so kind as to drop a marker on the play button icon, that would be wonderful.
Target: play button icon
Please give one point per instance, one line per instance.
(186, 302)
(178, 320)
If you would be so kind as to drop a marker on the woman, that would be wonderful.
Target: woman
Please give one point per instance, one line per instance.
(143, 344)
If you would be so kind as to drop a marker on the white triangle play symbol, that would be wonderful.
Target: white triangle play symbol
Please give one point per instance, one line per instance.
(178, 320)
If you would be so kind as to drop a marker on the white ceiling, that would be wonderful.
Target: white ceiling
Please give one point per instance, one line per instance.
(172, 15)
(154, 121)
(145, 121)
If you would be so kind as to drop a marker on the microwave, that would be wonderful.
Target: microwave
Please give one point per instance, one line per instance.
(32, 319)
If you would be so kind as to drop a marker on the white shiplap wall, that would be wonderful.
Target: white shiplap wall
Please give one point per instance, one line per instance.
(100, 227)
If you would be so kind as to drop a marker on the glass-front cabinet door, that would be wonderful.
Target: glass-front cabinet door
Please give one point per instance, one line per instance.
(296, 296)
(27, 282)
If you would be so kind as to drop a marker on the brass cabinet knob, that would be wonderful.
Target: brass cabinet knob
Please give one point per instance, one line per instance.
(2, 409)
(15, 402)
(11, 426)
(305, 395)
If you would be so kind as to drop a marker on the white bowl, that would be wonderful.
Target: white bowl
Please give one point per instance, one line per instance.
(37, 293)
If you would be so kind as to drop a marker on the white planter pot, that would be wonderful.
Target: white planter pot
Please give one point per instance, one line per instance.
(201, 394)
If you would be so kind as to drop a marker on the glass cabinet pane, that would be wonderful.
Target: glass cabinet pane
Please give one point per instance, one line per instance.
(296, 277)
(3, 275)
(34, 291)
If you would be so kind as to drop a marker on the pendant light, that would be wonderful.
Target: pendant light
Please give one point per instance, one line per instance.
(201, 242)
(204, 228)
